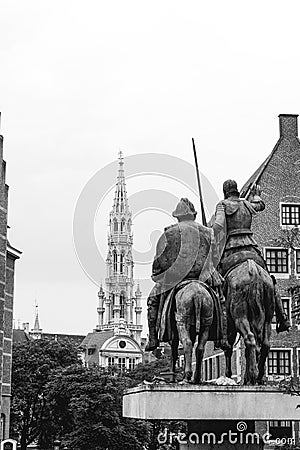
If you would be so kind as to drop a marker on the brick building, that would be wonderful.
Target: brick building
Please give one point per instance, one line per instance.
(8, 256)
(276, 231)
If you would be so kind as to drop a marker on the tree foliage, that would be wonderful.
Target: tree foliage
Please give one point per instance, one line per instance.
(86, 410)
(33, 364)
(54, 396)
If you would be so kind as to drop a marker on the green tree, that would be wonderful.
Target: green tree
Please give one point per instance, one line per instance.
(33, 364)
(85, 408)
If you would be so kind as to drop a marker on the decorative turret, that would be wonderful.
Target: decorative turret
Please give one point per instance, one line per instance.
(138, 307)
(101, 308)
(36, 331)
(117, 305)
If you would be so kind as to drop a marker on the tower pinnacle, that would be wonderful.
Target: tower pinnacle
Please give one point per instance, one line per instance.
(116, 309)
(36, 332)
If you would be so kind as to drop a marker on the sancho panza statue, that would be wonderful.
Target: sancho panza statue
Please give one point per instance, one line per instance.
(184, 251)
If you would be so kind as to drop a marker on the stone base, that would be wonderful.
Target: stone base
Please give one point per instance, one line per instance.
(210, 402)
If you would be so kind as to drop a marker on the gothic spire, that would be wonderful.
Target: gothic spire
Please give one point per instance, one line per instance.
(120, 205)
(36, 326)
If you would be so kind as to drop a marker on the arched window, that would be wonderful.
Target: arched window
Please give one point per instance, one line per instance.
(122, 225)
(115, 258)
(122, 306)
(122, 261)
(115, 226)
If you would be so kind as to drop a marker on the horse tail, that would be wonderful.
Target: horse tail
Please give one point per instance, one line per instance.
(197, 301)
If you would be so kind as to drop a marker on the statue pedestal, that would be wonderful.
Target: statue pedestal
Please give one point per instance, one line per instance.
(217, 416)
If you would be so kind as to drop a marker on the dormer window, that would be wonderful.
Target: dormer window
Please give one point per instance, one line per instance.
(290, 214)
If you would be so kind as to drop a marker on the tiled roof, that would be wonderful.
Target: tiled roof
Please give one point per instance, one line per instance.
(254, 179)
(19, 336)
(96, 339)
(75, 339)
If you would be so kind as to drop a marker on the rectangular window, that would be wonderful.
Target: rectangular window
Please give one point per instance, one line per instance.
(279, 362)
(205, 369)
(277, 260)
(181, 361)
(280, 429)
(111, 361)
(122, 363)
(131, 363)
(298, 261)
(218, 366)
(210, 369)
(290, 214)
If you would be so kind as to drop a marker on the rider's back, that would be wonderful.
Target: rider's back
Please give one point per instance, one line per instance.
(182, 251)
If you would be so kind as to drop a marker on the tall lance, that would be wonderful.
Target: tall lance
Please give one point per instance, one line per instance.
(204, 222)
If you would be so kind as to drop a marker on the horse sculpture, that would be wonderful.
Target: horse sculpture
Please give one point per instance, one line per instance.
(249, 292)
(192, 317)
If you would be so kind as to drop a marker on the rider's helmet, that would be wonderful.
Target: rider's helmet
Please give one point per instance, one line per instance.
(184, 209)
(230, 189)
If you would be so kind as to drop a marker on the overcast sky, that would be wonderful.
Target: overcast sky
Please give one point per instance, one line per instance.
(80, 80)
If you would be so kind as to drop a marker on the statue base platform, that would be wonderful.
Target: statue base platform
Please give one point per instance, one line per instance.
(210, 402)
(217, 416)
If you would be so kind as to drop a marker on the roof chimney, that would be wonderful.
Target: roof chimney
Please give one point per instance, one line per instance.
(288, 125)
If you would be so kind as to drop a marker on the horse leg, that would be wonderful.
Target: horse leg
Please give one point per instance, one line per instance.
(174, 351)
(265, 348)
(250, 352)
(231, 337)
(202, 339)
(187, 343)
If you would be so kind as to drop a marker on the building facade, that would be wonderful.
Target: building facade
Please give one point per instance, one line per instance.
(117, 337)
(8, 256)
(276, 230)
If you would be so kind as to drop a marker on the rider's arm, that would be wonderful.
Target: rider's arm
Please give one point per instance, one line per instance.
(220, 218)
(255, 199)
(158, 266)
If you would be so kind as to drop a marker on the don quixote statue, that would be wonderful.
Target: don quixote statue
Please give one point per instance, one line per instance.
(212, 283)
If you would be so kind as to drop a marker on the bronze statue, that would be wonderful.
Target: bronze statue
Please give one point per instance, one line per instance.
(187, 299)
(249, 289)
(182, 303)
